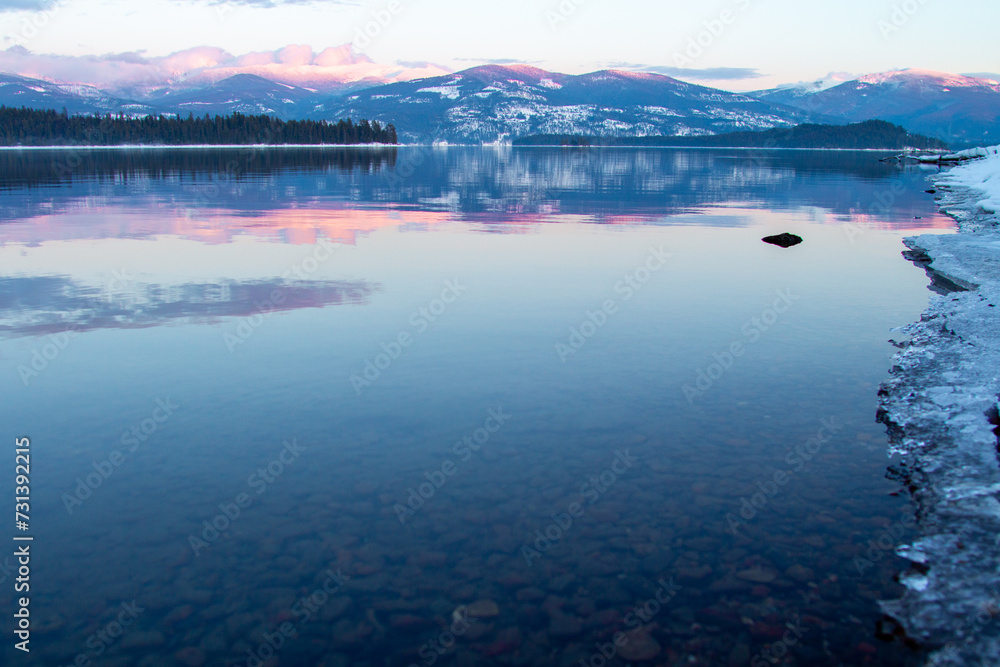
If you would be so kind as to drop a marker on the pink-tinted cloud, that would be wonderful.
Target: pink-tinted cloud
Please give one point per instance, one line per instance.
(295, 64)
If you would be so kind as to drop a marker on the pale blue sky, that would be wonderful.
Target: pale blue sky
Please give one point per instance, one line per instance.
(779, 40)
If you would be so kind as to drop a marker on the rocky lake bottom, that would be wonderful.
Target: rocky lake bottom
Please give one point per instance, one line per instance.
(461, 407)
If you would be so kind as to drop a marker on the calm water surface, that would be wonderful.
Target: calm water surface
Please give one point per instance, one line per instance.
(457, 407)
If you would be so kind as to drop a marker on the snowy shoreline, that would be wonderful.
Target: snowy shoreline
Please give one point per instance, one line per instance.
(940, 406)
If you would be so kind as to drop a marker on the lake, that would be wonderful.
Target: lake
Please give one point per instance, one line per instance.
(460, 406)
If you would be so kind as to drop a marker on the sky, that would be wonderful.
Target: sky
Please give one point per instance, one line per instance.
(730, 44)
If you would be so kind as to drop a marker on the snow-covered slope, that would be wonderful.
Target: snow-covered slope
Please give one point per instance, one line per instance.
(790, 93)
(953, 107)
(244, 93)
(491, 103)
(496, 102)
(19, 91)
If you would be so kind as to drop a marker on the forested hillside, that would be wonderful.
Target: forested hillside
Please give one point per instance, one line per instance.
(31, 127)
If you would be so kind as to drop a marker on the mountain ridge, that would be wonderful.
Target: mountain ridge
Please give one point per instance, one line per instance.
(500, 102)
(960, 109)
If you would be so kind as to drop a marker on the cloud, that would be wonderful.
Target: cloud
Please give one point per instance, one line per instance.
(704, 74)
(23, 5)
(992, 76)
(498, 61)
(275, 3)
(135, 72)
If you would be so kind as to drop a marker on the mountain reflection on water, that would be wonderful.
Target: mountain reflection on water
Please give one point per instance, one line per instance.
(379, 309)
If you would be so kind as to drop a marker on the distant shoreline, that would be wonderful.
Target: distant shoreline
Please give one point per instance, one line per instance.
(144, 147)
(736, 148)
(156, 147)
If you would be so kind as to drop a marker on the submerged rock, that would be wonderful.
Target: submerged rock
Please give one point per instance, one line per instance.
(483, 609)
(191, 657)
(758, 575)
(640, 647)
(800, 574)
(785, 240)
(562, 625)
(148, 639)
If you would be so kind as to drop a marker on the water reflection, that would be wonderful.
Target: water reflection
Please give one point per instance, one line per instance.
(201, 244)
(35, 305)
(241, 190)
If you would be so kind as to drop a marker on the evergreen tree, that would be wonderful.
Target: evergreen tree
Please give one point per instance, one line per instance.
(30, 127)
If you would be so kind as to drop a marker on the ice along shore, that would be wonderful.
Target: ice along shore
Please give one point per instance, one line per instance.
(940, 405)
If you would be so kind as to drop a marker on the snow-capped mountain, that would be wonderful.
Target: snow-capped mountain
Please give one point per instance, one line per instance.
(494, 102)
(500, 102)
(19, 91)
(960, 109)
(791, 92)
(243, 93)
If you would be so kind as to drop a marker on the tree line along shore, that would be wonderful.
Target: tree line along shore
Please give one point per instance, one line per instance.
(33, 127)
(871, 134)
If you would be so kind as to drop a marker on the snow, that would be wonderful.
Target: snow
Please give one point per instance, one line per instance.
(449, 92)
(981, 175)
(662, 111)
(968, 154)
(945, 384)
(939, 78)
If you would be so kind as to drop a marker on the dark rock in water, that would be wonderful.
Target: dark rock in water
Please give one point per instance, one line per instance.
(190, 656)
(561, 625)
(143, 640)
(785, 240)
(483, 609)
(640, 647)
